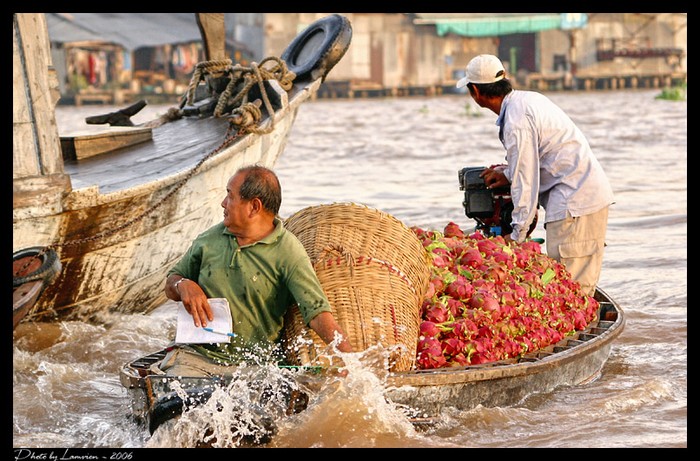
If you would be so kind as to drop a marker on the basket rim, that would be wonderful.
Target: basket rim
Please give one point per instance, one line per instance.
(347, 205)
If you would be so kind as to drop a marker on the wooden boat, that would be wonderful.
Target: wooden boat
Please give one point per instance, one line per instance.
(157, 398)
(120, 207)
(422, 394)
(575, 360)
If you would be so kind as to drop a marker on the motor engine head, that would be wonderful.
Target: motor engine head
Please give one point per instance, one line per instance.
(490, 208)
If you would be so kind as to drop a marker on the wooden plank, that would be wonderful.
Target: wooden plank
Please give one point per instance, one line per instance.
(84, 145)
(25, 157)
(104, 97)
(211, 27)
(40, 192)
(34, 57)
(176, 146)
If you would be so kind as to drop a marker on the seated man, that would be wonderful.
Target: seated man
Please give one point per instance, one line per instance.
(259, 267)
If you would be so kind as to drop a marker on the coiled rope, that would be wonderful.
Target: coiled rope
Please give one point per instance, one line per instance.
(246, 115)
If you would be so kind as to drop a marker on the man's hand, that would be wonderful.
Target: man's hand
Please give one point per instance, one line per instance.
(494, 177)
(193, 298)
(196, 303)
(325, 326)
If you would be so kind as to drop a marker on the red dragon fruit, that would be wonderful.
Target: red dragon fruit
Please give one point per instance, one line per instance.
(488, 300)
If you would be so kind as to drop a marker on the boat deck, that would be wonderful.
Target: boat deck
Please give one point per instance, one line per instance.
(174, 147)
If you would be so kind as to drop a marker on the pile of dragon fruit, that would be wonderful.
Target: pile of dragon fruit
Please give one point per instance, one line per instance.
(489, 300)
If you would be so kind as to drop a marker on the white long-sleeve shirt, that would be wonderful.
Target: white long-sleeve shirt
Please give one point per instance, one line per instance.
(549, 161)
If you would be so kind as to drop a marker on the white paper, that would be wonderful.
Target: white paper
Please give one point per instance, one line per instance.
(188, 333)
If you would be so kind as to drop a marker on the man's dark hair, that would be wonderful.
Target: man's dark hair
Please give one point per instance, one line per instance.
(261, 182)
(491, 90)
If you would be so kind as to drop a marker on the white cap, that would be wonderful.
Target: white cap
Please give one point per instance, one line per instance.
(485, 68)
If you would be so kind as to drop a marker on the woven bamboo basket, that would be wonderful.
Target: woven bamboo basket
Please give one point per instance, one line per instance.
(375, 273)
(361, 230)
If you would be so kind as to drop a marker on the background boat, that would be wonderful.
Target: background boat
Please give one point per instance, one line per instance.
(120, 207)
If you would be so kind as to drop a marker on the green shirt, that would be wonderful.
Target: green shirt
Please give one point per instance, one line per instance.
(260, 281)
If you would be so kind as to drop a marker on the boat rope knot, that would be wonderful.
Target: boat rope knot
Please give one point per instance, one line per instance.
(233, 100)
(246, 118)
(243, 79)
(201, 70)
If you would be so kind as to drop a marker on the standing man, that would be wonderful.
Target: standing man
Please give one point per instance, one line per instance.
(259, 267)
(550, 163)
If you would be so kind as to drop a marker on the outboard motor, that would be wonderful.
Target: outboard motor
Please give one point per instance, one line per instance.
(490, 208)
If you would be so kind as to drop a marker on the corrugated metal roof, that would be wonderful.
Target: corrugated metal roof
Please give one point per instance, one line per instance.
(495, 24)
(130, 30)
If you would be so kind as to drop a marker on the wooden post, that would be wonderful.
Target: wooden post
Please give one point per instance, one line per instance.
(211, 26)
(36, 144)
(37, 164)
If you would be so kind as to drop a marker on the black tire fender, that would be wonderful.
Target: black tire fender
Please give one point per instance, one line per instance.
(317, 49)
(172, 405)
(49, 269)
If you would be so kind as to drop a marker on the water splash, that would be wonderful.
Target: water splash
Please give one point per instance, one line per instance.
(351, 410)
(267, 405)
